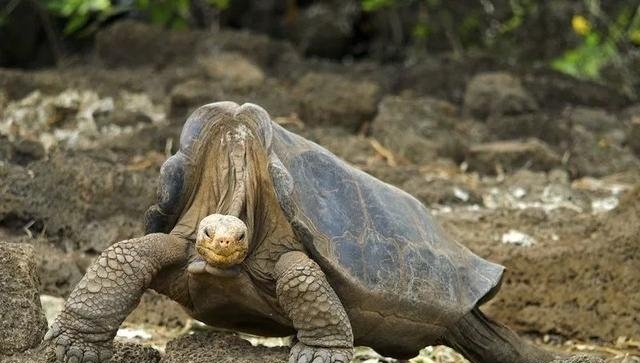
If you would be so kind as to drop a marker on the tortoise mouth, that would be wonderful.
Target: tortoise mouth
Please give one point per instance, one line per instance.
(200, 266)
(222, 259)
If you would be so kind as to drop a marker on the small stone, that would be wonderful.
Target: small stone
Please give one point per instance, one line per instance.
(518, 238)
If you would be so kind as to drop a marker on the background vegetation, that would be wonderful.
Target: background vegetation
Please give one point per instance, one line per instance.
(589, 39)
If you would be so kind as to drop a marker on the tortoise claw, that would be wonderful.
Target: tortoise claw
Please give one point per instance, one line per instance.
(302, 353)
(74, 347)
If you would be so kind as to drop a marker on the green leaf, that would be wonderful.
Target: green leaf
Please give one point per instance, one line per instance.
(421, 31)
(75, 23)
(220, 4)
(373, 5)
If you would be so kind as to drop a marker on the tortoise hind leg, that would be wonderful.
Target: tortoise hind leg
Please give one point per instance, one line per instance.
(482, 340)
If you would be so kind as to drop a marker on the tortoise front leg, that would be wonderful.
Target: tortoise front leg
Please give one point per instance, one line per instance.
(324, 331)
(108, 292)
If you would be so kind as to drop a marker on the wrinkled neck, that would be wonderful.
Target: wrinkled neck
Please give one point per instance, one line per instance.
(238, 162)
(226, 181)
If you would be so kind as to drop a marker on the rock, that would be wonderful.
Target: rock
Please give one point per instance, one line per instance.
(23, 323)
(555, 91)
(543, 126)
(497, 93)
(129, 43)
(633, 140)
(189, 95)
(193, 93)
(598, 155)
(595, 120)
(123, 353)
(232, 69)
(83, 200)
(26, 151)
(220, 347)
(130, 352)
(325, 29)
(331, 99)
(59, 271)
(512, 155)
(355, 149)
(421, 129)
(158, 310)
(260, 49)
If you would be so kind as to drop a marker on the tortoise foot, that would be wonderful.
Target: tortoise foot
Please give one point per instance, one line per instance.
(77, 346)
(302, 353)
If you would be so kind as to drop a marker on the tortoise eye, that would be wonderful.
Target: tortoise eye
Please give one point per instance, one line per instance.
(241, 236)
(206, 233)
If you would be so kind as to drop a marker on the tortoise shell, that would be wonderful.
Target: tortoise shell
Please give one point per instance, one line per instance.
(376, 239)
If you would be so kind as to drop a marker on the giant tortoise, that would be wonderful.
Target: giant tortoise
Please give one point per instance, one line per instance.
(259, 230)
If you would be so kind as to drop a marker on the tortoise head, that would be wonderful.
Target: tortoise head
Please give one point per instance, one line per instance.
(211, 189)
(222, 240)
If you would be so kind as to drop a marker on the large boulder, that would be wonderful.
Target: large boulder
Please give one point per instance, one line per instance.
(82, 201)
(59, 272)
(332, 99)
(193, 93)
(232, 69)
(23, 323)
(266, 52)
(422, 129)
(599, 154)
(497, 93)
(129, 43)
(325, 28)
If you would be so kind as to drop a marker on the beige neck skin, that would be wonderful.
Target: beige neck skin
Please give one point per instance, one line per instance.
(227, 180)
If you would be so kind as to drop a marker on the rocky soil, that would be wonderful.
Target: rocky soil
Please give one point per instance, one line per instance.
(530, 169)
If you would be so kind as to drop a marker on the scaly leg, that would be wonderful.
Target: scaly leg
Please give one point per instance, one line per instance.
(108, 292)
(324, 331)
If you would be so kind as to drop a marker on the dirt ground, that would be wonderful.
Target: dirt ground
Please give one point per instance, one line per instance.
(529, 169)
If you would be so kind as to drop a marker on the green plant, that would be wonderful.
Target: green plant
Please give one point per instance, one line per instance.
(168, 13)
(599, 47)
(83, 17)
(587, 59)
(373, 5)
(78, 13)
